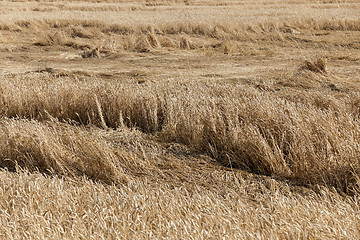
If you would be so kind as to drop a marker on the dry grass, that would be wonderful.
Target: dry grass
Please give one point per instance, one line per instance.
(223, 37)
(318, 66)
(242, 127)
(53, 148)
(53, 208)
(179, 120)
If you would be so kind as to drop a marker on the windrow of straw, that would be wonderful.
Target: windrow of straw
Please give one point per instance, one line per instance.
(239, 126)
(227, 38)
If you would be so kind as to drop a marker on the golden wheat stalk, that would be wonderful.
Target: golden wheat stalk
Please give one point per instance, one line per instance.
(101, 116)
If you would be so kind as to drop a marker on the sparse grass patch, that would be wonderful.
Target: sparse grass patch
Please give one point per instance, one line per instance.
(317, 66)
(91, 53)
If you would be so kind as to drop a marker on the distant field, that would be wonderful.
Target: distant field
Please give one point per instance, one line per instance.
(180, 119)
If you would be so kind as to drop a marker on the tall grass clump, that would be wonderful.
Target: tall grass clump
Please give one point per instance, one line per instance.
(269, 135)
(56, 148)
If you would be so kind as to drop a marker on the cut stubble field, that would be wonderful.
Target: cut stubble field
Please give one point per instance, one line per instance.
(180, 119)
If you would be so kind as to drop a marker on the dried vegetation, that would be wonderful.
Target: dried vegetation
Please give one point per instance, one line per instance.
(178, 146)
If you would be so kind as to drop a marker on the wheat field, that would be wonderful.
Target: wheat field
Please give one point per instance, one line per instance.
(180, 119)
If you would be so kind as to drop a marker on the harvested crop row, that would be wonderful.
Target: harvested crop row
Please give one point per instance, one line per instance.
(239, 126)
